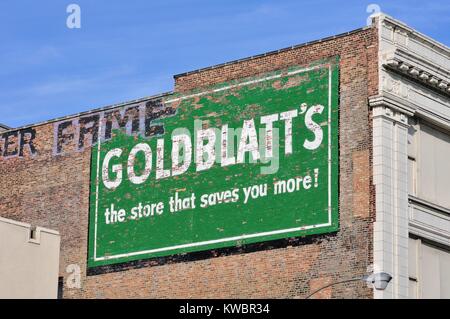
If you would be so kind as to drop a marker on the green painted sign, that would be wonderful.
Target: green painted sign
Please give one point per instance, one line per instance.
(237, 163)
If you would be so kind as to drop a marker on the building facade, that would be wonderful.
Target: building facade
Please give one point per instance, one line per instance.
(29, 261)
(411, 173)
(374, 111)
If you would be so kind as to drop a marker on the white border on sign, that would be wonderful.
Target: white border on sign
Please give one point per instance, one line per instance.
(235, 238)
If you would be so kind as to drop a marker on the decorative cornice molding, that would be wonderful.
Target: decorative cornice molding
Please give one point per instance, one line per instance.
(419, 69)
(390, 107)
(386, 100)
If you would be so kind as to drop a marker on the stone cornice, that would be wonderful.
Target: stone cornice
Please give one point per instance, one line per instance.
(390, 22)
(392, 102)
(402, 106)
(419, 69)
(384, 107)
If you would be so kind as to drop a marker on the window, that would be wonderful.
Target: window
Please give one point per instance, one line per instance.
(412, 146)
(428, 163)
(33, 234)
(429, 275)
(412, 267)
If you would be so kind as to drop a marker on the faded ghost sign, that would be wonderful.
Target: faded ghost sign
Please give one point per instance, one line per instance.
(86, 131)
(80, 133)
(18, 143)
(239, 163)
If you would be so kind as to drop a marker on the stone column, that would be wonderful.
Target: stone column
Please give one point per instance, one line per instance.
(390, 162)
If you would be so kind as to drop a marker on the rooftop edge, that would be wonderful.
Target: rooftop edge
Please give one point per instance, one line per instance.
(176, 76)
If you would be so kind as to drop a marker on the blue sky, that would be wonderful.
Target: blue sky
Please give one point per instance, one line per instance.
(130, 49)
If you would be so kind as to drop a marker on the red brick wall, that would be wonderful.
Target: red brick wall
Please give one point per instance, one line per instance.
(53, 192)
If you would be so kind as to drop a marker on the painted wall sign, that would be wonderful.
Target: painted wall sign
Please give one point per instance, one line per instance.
(239, 163)
(85, 132)
(17, 143)
(79, 133)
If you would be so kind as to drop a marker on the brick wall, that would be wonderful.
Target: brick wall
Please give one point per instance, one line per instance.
(53, 192)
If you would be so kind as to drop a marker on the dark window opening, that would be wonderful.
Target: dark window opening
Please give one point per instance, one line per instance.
(33, 233)
(61, 288)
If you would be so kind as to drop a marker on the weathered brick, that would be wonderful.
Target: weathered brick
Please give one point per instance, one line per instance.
(53, 192)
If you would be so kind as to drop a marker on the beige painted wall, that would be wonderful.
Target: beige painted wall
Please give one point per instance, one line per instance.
(429, 270)
(28, 266)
